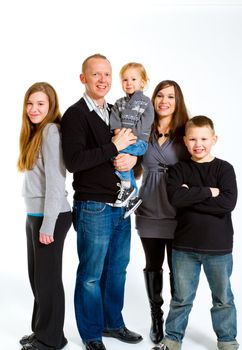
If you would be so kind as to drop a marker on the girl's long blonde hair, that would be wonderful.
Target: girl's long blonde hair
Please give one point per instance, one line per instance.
(31, 134)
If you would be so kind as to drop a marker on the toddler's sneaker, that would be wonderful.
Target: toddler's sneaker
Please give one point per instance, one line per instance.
(133, 204)
(125, 193)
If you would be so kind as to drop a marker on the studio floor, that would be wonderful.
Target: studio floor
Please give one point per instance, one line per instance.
(16, 303)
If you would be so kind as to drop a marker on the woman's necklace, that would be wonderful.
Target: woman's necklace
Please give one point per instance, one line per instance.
(166, 134)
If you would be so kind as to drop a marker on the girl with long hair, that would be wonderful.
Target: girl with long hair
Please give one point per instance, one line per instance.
(48, 214)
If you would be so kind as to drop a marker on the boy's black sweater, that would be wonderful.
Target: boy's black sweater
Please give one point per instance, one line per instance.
(88, 150)
(204, 222)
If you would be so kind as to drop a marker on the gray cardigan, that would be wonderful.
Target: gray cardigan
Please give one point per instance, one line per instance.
(44, 185)
(135, 112)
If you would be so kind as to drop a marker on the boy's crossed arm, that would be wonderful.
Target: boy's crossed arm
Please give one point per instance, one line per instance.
(211, 200)
(214, 190)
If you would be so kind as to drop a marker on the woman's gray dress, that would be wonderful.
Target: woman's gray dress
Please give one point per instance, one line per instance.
(155, 217)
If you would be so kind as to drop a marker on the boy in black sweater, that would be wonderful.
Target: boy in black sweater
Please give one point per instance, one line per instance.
(204, 191)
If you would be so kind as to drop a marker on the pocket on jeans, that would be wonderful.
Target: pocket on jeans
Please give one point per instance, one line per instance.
(93, 207)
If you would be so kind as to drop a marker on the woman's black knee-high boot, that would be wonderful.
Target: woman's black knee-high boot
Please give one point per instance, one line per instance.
(154, 283)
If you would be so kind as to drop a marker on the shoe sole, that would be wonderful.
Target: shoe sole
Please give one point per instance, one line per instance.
(88, 347)
(27, 339)
(31, 338)
(121, 339)
(128, 213)
(123, 204)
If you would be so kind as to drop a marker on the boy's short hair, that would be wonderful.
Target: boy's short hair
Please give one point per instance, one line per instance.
(199, 121)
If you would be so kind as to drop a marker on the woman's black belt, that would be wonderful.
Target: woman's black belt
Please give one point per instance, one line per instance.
(163, 168)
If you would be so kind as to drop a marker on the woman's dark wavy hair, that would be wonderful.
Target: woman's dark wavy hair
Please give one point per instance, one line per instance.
(180, 116)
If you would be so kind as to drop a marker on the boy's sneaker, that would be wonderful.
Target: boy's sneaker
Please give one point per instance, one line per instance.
(125, 193)
(133, 204)
(160, 347)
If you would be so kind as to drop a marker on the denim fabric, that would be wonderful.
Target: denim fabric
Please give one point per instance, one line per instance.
(186, 271)
(137, 149)
(103, 243)
(127, 176)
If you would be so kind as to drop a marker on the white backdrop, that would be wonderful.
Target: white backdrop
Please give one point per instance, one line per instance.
(196, 43)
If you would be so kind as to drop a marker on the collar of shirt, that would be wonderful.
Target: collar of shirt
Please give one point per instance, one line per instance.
(102, 111)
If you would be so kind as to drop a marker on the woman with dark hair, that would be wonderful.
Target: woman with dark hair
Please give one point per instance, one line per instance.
(48, 214)
(155, 218)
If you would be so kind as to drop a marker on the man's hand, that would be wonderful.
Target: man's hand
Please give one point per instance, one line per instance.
(123, 139)
(124, 162)
(45, 239)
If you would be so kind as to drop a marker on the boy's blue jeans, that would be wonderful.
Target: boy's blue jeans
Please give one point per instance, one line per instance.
(186, 272)
(103, 244)
(137, 149)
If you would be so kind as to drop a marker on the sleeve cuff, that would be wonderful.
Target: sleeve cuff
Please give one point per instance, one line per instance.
(48, 225)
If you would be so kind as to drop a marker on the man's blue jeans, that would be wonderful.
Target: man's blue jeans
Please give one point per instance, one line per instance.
(103, 243)
(137, 149)
(186, 272)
